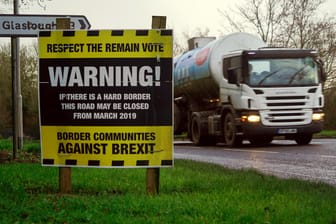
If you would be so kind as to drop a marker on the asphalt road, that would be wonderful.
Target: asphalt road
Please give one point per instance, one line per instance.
(282, 158)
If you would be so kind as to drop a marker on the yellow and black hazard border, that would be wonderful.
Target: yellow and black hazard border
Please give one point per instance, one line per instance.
(106, 98)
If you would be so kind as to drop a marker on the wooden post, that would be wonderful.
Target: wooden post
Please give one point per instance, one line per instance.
(153, 174)
(64, 172)
(65, 180)
(159, 22)
(153, 180)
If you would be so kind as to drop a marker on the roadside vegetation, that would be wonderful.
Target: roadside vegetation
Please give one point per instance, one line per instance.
(326, 134)
(191, 192)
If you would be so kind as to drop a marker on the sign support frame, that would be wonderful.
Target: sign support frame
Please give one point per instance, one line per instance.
(153, 174)
(16, 90)
(65, 186)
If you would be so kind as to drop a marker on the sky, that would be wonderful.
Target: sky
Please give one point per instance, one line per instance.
(182, 15)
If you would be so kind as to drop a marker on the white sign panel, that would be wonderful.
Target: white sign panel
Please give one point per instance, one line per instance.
(30, 25)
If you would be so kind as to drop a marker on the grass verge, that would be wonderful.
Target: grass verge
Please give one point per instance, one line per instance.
(326, 134)
(191, 192)
(32, 146)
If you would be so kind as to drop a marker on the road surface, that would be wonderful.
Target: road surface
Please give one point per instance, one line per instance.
(282, 158)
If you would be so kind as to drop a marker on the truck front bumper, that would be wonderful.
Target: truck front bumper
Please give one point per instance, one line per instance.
(257, 129)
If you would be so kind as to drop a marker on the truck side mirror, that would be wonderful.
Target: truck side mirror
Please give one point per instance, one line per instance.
(323, 74)
(233, 76)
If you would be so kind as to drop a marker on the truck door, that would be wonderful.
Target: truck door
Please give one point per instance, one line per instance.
(232, 69)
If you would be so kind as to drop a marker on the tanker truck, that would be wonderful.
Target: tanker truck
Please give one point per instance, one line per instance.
(236, 88)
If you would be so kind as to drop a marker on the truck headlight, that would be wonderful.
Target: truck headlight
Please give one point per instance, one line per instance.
(252, 118)
(317, 116)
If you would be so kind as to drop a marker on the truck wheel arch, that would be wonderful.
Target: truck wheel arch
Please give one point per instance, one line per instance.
(227, 109)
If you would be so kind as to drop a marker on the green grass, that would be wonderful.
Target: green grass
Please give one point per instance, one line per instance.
(6, 144)
(190, 192)
(28, 146)
(326, 134)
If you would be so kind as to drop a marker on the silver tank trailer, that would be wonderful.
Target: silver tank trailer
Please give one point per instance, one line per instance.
(198, 73)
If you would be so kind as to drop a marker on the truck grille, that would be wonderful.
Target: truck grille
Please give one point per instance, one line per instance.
(286, 111)
(285, 101)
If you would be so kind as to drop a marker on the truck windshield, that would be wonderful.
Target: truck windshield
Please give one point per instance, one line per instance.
(283, 72)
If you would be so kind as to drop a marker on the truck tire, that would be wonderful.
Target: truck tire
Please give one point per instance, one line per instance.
(303, 139)
(230, 131)
(196, 133)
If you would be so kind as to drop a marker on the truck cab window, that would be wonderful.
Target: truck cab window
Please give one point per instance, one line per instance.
(258, 69)
(283, 72)
(233, 63)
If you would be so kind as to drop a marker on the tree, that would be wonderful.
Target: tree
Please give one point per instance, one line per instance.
(29, 83)
(296, 23)
(261, 16)
(5, 90)
(28, 80)
(290, 23)
(28, 67)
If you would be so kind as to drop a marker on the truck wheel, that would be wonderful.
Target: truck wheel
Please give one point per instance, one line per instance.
(196, 131)
(304, 139)
(229, 129)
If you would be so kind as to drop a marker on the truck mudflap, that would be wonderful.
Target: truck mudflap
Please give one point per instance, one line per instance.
(251, 130)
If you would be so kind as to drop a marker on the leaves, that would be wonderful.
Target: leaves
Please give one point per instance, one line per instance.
(28, 73)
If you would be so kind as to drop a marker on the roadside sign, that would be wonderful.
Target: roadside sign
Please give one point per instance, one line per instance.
(24, 25)
(106, 98)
